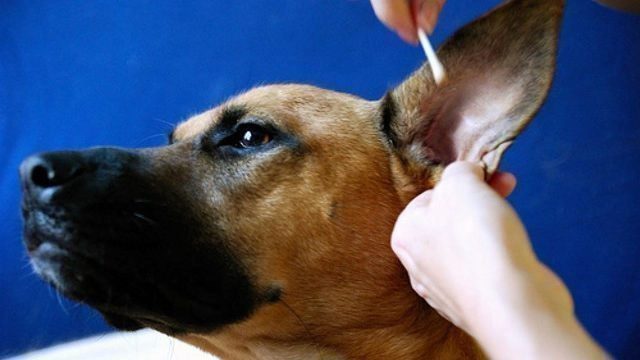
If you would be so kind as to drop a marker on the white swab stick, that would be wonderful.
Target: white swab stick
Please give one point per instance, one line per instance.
(432, 58)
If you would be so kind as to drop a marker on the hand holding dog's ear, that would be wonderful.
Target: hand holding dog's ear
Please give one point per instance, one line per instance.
(468, 255)
(457, 240)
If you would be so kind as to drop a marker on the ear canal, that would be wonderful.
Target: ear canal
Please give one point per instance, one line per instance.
(499, 69)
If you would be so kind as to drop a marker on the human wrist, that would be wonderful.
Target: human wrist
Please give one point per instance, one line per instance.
(530, 319)
(498, 310)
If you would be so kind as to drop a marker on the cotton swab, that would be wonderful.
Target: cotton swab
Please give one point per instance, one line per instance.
(436, 66)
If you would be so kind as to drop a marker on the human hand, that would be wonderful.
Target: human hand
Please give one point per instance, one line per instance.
(459, 240)
(405, 16)
(469, 256)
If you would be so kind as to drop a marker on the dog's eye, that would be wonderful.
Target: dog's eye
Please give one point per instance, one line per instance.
(251, 135)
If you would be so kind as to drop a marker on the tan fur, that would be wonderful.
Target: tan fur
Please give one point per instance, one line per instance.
(322, 233)
(317, 223)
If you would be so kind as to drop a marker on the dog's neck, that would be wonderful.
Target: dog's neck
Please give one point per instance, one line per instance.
(452, 343)
(230, 348)
(420, 334)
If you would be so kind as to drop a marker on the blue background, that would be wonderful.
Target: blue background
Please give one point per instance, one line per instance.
(81, 73)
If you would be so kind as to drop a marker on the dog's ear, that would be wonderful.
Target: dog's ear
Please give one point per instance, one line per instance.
(499, 70)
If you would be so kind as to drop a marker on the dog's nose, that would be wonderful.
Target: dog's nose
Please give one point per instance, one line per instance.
(50, 169)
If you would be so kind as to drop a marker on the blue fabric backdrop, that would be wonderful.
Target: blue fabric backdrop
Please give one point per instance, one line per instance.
(81, 73)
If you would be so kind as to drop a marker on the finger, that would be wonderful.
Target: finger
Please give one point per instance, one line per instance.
(418, 288)
(422, 200)
(396, 15)
(463, 169)
(426, 13)
(405, 259)
(503, 183)
(403, 235)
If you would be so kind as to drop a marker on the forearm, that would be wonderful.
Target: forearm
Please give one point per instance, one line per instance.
(530, 323)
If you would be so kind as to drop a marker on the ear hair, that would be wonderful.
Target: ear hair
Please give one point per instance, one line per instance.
(388, 113)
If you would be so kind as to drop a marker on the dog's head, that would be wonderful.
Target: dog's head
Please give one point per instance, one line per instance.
(274, 209)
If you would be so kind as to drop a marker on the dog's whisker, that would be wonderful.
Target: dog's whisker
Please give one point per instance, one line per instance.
(149, 138)
(27, 264)
(149, 202)
(172, 348)
(142, 201)
(171, 125)
(28, 274)
(144, 218)
(304, 326)
(101, 336)
(59, 298)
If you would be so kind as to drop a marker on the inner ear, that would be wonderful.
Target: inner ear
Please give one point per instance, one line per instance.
(457, 122)
(499, 70)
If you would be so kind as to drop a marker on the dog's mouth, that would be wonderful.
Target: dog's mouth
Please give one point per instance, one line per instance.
(116, 262)
(126, 302)
(81, 279)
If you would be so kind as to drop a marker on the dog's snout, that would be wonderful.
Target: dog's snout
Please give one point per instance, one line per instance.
(78, 178)
(51, 169)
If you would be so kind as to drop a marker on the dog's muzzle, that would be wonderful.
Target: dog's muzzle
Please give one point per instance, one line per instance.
(112, 228)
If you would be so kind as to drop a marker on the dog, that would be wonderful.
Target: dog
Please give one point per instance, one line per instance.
(262, 230)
